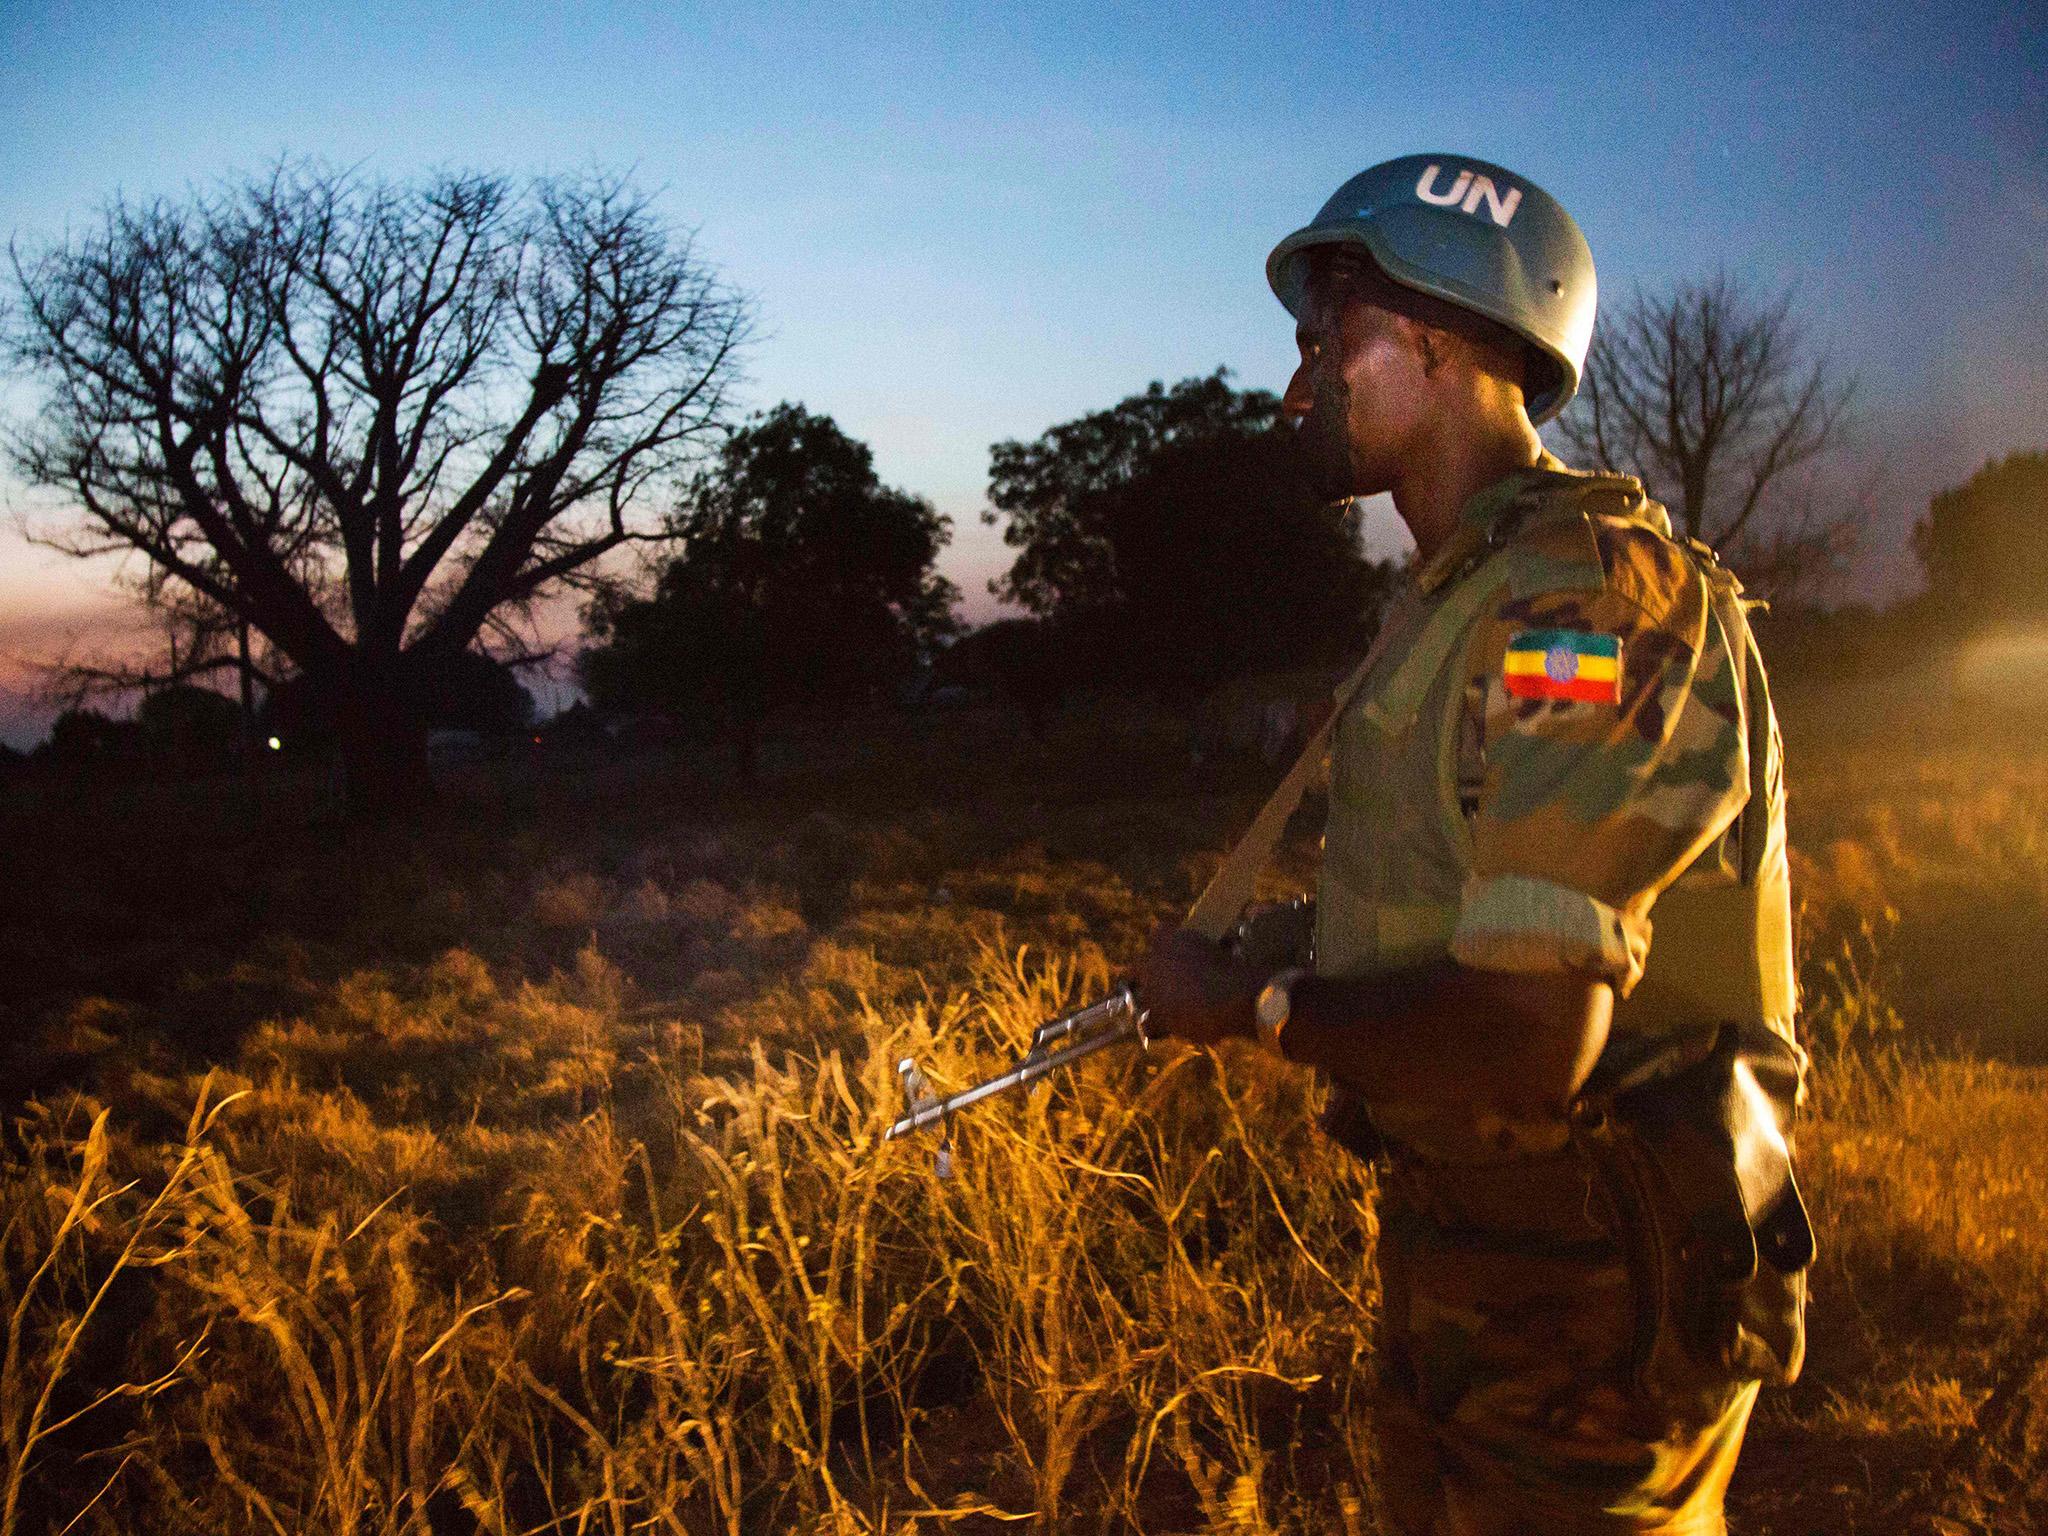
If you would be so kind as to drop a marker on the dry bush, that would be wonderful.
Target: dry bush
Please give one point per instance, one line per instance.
(574, 901)
(750, 1313)
(1920, 1408)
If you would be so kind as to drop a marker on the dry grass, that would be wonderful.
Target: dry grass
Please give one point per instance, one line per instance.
(391, 1275)
(539, 1187)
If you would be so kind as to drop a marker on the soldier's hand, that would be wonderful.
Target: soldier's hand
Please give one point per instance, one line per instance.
(1274, 934)
(1194, 991)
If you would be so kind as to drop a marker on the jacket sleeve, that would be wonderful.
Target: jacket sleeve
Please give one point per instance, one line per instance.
(1599, 783)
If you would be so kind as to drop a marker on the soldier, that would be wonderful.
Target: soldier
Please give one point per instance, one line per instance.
(1552, 957)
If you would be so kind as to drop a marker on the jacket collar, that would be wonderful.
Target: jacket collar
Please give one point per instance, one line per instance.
(1494, 512)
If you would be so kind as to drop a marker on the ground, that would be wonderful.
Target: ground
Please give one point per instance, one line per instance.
(517, 1167)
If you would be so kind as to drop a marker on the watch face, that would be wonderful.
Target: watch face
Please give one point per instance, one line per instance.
(1273, 1003)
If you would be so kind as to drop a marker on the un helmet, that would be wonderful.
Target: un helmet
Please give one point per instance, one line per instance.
(1473, 235)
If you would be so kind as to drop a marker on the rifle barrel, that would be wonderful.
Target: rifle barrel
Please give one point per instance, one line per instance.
(1100, 1025)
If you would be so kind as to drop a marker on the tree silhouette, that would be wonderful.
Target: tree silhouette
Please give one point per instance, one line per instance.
(1177, 534)
(1029, 661)
(187, 726)
(83, 739)
(1984, 543)
(802, 578)
(1716, 400)
(1048, 492)
(369, 419)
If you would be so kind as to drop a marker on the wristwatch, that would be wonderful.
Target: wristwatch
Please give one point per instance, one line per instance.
(1276, 1001)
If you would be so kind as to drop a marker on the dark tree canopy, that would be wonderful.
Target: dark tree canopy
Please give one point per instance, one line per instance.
(1717, 401)
(188, 722)
(1228, 560)
(370, 419)
(802, 578)
(177, 728)
(1984, 543)
(1179, 528)
(466, 691)
(83, 738)
(1048, 492)
(1031, 662)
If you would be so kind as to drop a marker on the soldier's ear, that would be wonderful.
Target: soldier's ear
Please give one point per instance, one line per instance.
(1435, 346)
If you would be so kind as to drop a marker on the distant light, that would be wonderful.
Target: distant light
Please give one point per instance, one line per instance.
(2009, 663)
(276, 745)
(536, 741)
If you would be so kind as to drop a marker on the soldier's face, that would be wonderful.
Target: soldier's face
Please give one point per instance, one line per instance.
(1356, 395)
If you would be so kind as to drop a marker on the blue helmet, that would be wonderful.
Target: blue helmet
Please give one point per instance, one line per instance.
(1473, 235)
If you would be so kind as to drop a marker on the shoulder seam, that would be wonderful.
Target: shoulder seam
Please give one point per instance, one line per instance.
(1685, 555)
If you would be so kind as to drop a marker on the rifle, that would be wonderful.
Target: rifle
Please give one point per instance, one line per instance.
(1275, 934)
(1223, 912)
(1056, 1043)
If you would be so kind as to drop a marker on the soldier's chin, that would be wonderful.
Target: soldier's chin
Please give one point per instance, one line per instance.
(1336, 480)
(1330, 472)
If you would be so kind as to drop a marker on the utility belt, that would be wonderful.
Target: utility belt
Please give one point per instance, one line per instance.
(1688, 1166)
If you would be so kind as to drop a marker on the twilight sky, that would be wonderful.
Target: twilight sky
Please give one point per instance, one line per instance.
(966, 224)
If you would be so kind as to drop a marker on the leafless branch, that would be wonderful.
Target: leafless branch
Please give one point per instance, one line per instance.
(1718, 403)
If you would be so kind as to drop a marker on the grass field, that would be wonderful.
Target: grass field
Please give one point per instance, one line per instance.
(519, 1170)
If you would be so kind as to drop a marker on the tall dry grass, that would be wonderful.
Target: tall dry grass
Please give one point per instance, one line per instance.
(701, 1303)
(587, 1225)
(681, 1300)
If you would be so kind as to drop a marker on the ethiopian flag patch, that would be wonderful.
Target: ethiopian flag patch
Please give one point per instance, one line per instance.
(1564, 664)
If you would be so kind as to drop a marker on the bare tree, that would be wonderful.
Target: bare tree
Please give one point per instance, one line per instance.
(1716, 401)
(364, 418)
(192, 638)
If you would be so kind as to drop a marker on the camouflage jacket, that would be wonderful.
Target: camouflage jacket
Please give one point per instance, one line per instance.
(1569, 719)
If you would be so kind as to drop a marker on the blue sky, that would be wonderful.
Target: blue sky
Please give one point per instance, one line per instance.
(964, 224)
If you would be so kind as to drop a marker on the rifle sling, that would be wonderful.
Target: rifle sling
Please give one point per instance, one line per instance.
(1217, 910)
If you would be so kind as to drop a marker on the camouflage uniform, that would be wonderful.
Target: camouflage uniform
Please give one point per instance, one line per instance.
(1537, 1374)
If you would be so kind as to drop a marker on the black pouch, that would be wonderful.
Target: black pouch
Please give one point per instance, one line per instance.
(1699, 1168)
(1273, 934)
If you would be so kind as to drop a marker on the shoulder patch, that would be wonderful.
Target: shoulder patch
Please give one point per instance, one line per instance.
(1574, 664)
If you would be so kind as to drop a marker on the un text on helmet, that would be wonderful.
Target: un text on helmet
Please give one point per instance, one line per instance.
(1468, 192)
